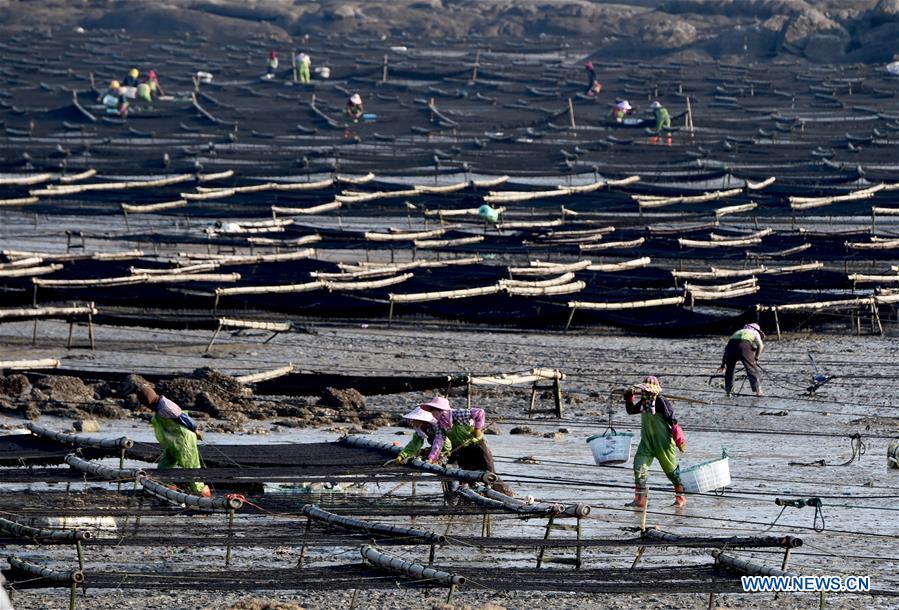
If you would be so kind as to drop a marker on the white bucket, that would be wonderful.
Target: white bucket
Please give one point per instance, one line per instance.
(324, 72)
(611, 447)
(707, 476)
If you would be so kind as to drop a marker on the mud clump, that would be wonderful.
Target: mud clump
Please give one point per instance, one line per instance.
(206, 390)
(13, 386)
(65, 389)
(349, 399)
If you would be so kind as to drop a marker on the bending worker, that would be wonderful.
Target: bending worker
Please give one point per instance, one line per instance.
(177, 436)
(462, 430)
(746, 346)
(659, 435)
(354, 108)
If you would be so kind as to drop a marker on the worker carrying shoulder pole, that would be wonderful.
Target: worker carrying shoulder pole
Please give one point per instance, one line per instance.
(177, 435)
(660, 436)
(746, 346)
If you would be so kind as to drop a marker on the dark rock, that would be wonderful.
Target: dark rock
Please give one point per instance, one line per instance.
(521, 430)
(86, 425)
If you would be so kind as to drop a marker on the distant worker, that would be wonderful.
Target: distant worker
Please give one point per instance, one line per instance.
(746, 346)
(149, 89)
(660, 436)
(177, 435)
(114, 101)
(153, 82)
(354, 108)
(304, 66)
(661, 115)
(131, 79)
(489, 214)
(272, 64)
(620, 111)
(662, 122)
(593, 84)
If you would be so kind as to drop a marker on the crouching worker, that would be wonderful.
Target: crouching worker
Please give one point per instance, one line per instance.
(177, 436)
(660, 436)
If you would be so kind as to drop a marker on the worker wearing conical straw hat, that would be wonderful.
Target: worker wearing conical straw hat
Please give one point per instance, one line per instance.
(424, 427)
(660, 437)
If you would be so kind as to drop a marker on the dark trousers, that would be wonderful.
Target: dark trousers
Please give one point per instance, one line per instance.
(740, 351)
(478, 456)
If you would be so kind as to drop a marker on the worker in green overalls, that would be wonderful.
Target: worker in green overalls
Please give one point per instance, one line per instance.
(660, 437)
(177, 435)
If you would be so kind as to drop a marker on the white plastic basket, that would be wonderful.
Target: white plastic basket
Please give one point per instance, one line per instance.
(707, 476)
(611, 447)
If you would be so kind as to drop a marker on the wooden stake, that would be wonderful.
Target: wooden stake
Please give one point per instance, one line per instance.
(474, 70)
(571, 113)
(230, 531)
(557, 397)
(384, 74)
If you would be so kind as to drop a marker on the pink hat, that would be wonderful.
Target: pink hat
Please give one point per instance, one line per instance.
(419, 414)
(167, 409)
(651, 385)
(589, 65)
(754, 326)
(438, 402)
(356, 98)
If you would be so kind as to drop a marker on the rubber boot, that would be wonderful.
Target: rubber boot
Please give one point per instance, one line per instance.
(680, 500)
(639, 497)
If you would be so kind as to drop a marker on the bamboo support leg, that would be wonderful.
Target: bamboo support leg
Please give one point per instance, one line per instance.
(390, 314)
(449, 596)
(34, 333)
(431, 554)
(414, 492)
(579, 551)
(211, 341)
(73, 592)
(302, 557)
(570, 318)
(777, 322)
(542, 551)
(645, 509)
(711, 600)
(230, 533)
(449, 525)
(80, 550)
(121, 467)
(71, 329)
(557, 397)
(353, 600)
(90, 332)
(533, 399)
(638, 557)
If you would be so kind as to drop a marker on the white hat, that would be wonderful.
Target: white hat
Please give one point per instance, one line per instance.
(655, 104)
(419, 414)
(624, 105)
(355, 98)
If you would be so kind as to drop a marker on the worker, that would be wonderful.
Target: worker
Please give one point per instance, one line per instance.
(354, 108)
(662, 118)
(464, 430)
(659, 435)
(304, 65)
(746, 346)
(489, 214)
(131, 79)
(153, 82)
(272, 64)
(593, 85)
(177, 435)
(114, 101)
(619, 111)
(423, 431)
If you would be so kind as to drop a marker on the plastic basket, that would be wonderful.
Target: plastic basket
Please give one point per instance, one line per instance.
(611, 447)
(707, 476)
